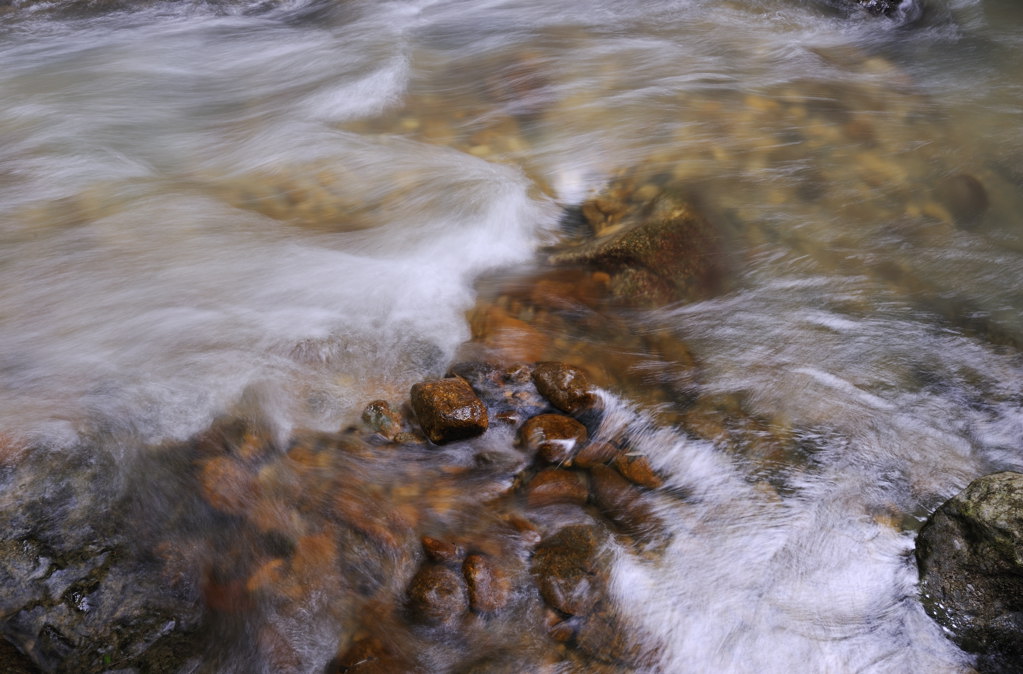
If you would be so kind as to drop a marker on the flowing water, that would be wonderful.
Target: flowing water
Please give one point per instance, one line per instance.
(291, 205)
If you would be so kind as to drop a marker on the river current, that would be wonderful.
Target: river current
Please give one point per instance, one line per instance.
(292, 205)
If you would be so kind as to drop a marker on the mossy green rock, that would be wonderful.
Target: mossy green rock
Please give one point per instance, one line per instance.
(970, 554)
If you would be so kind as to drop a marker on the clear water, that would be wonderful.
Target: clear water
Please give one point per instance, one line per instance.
(205, 202)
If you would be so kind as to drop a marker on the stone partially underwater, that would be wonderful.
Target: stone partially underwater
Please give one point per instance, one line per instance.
(488, 554)
(970, 554)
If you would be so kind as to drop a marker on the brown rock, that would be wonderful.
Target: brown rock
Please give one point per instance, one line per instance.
(315, 556)
(595, 454)
(382, 526)
(437, 595)
(442, 552)
(663, 251)
(227, 485)
(226, 597)
(267, 576)
(637, 469)
(553, 486)
(568, 289)
(448, 410)
(489, 586)
(965, 198)
(510, 339)
(560, 629)
(554, 436)
(605, 638)
(524, 527)
(565, 568)
(621, 501)
(379, 416)
(567, 387)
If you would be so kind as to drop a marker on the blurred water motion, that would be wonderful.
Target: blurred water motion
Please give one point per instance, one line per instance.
(285, 210)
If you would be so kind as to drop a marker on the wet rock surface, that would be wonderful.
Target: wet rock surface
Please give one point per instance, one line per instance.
(565, 566)
(489, 587)
(654, 247)
(965, 197)
(448, 410)
(566, 386)
(552, 486)
(77, 590)
(970, 555)
(437, 596)
(414, 556)
(878, 7)
(555, 438)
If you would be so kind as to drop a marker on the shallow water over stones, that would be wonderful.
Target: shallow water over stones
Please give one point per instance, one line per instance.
(781, 238)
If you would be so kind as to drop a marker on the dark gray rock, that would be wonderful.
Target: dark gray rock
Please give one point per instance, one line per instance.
(78, 593)
(970, 554)
(886, 7)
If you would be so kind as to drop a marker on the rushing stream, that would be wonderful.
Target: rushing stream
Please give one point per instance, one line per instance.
(285, 209)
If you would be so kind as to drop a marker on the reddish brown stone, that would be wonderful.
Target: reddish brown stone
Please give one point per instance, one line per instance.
(437, 595)
(509, 417)
(565, 568)
(607, 639)
(637, 469)
(226, 597)
(525, 528)
(227, 484)
(384, 527)
(448, 410)
(560, 629)
(595, 454)
(554, 485)
(315, 556)
(509, 338)
(621, 501)
(662, 252)
(442, 552)
(489, 586)
(554, 436)
(566, 387)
